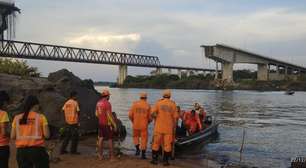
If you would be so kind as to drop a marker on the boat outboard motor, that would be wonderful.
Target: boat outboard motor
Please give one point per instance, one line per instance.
(121, 132)
(208, 120)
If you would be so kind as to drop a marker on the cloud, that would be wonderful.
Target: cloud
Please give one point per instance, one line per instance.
(100, 38)
(274, 24)
(172, 30)
(105, 40)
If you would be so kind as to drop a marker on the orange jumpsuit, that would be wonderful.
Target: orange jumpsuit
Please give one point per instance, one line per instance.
(192, 122)
(139, 115)
(165, 113)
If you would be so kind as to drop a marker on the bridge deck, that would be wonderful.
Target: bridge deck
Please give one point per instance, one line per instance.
(272, 61)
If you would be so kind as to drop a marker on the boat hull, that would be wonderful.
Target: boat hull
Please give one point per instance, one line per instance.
(198, 138)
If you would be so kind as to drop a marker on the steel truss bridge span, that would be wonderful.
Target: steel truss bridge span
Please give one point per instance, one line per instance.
(29, 50)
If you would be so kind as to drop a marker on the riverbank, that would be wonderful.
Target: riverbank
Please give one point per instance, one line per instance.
(208, 83)
(88, 159)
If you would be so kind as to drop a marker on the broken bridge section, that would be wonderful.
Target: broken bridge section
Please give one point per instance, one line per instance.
(228, 56)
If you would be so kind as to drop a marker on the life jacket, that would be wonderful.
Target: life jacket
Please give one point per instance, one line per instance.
(71, 109)
(105, 112)
(31, 133)
(192, 122)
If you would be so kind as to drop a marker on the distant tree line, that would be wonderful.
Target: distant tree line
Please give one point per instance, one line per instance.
(169, 81)
(244, 74)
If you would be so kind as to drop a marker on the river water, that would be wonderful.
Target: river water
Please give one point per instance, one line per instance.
(274, 123)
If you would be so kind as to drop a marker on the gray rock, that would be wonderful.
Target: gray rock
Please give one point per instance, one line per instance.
(52, 93)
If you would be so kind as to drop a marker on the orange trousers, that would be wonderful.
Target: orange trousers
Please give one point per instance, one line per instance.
(164, 140)
(142, 136)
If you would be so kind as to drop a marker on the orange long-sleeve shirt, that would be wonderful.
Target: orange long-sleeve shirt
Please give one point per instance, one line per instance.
(139, 114)
(165, 113)
(192, 120)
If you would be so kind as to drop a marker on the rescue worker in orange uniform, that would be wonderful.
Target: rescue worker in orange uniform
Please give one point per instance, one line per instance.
(192, 122)
(165, 115)
(139, 115)
(4, 135)
(200, 111)
(71, 111)
(29, 129)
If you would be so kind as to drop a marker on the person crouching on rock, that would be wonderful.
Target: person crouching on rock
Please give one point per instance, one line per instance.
(29, 129)
(139, 115)
(4, 133)
(107, 124)
(71, 111)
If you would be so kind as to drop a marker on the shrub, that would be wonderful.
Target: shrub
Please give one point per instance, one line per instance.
(17, 67)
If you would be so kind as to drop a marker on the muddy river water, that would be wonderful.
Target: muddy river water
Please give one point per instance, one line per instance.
(274, 123)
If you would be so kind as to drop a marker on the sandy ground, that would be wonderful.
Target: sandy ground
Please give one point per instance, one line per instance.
(88, 159)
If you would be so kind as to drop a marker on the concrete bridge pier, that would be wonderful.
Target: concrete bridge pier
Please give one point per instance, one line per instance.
(122, 74)
(277, 70)
(169, 71)
(188, 73)
(179, 73)
(227, 71)
(158, 71)
(262, 72)
(216, 72)
(203, 73)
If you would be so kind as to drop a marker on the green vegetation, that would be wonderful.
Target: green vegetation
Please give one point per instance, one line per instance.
(244, 80)
(244, 75)
(17, 67)
(104, 83)
(169, 81)
(302, 77)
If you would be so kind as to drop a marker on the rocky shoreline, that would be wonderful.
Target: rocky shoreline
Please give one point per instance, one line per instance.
(52, 92)
(55, 89)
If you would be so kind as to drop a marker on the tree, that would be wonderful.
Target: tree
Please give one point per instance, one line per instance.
(17, 67)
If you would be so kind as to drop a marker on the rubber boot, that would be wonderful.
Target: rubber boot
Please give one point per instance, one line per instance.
(143, 154)
(137, 150)
(166, 158)
(154, 157)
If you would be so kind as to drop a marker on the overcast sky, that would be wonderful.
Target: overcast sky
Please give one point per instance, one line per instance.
(170, 29)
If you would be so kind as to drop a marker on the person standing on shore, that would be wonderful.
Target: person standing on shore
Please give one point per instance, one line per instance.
(165, 114)
(4, 134)
(29, 129)
(139, 115)
(107, 124)
(71, 111)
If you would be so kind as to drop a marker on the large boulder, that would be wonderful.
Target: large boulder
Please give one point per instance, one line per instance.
(65, 82)
(52, 93)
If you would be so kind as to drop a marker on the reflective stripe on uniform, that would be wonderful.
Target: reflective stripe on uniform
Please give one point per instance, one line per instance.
(28, 137)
